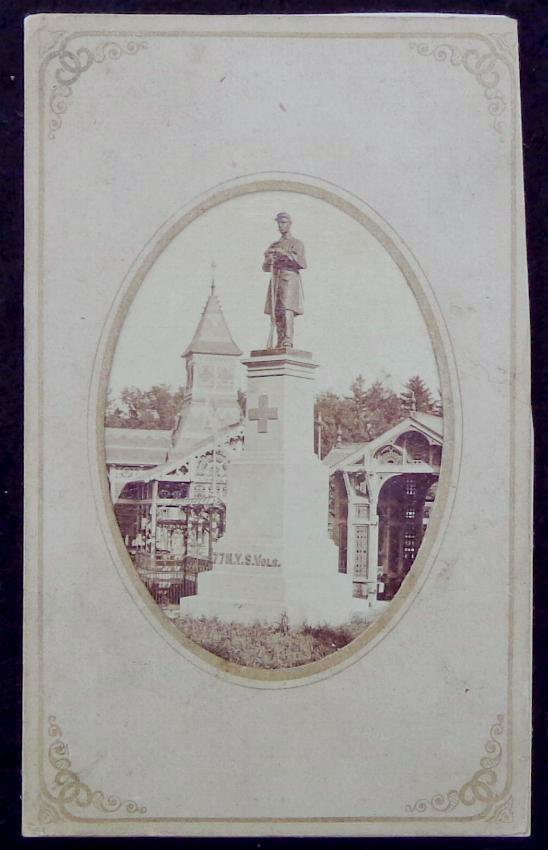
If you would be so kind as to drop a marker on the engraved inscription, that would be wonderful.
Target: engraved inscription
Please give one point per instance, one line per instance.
(244, 559)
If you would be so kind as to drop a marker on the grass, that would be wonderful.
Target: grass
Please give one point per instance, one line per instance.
(269, 647)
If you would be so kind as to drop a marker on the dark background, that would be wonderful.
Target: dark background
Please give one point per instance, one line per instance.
(532, 16)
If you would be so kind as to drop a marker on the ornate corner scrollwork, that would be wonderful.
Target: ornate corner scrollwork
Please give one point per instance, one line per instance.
(47, 812)
(483, 65)
(505, 41)
(70, 791)
(504, 813)
(47, 39)
(481, 788)
(70, 64)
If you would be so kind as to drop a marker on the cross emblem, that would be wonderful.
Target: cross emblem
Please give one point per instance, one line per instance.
(262, 414)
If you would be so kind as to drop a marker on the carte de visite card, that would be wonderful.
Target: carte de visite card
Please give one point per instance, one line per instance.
(278, 450)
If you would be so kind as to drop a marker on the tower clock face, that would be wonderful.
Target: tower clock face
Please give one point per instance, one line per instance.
(206, 375)
(224, 376)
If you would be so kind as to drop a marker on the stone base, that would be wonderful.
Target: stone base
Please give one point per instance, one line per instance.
(283, 350)
(361, 607)
(246, 595)
(378, 607)
(276, 559)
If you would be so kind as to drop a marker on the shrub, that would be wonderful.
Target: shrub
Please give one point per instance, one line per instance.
(268, 646)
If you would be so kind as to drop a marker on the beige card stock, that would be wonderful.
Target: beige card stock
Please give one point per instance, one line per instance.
(278, 468)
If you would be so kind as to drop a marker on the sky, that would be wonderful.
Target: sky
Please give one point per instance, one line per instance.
(361, 316)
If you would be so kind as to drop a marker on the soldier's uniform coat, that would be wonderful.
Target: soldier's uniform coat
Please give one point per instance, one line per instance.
(289, 288)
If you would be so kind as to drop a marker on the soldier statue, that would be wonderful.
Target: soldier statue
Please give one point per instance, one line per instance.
(284, 259)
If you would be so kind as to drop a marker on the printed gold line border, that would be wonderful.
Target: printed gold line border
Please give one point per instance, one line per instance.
(188, 34)
(279, 34)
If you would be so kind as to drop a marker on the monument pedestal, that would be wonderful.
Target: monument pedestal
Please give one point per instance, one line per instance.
(276, 559)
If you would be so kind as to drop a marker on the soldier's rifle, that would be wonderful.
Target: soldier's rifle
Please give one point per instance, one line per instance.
(273, 294)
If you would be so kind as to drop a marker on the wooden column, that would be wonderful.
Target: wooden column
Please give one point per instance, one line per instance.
(350, 518)
(210, 536)
(153, 518)
(388, 538)
(185, 534)
(373, 547)
(112, 484)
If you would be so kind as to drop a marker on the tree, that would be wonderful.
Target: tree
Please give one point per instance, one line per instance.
(383, 409)
(155, 408)
(361, 417)
(359, 397)
(437, 407)
(336, 415)
(161, 400)
(417, 396)
(114, 415)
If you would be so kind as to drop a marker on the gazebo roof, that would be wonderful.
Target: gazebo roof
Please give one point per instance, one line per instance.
(136, 446)
(212, 335)
(425, 423)
(164, 470)
(433, 422)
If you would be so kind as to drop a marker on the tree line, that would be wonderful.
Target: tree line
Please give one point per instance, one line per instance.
(369, 410)
(363, 414)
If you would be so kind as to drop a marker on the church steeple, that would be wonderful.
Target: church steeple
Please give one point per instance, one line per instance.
(212, 335)
(210, 360)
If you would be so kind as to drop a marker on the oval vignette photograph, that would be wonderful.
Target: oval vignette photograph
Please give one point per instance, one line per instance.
(273, 430)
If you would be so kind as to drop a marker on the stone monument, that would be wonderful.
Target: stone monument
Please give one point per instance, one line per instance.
(276, 559)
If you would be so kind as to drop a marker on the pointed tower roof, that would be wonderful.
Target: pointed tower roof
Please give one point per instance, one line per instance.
(212, 335)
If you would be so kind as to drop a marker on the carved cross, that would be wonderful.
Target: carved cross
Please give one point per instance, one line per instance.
(262, 414)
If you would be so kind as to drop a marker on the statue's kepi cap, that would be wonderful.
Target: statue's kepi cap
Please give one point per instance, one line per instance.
(282, 215)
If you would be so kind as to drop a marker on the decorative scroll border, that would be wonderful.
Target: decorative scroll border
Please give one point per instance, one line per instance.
(71, 64)
(484, 64)
(51, 808)
(67, 789)
(479, 789)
